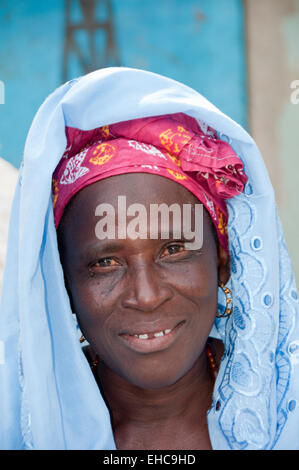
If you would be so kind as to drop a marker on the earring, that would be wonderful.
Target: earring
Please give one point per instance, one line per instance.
(81, 337)
(229, 302)
(95, 361)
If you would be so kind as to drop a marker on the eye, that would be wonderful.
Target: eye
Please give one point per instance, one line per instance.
(173, 249)
(104, 263)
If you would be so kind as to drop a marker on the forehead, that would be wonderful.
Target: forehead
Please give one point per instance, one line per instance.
(136, 188)
(142, 188)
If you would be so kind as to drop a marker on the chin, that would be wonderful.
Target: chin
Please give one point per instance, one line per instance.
(156, 377)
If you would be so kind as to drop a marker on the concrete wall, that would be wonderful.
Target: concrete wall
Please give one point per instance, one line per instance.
(272, 32)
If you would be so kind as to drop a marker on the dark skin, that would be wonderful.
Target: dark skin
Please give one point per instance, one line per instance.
(157, 399)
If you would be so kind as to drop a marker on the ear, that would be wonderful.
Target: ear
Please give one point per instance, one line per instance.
(223, 264)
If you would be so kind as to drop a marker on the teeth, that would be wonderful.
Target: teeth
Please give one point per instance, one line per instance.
(156, 335)
(160, 333)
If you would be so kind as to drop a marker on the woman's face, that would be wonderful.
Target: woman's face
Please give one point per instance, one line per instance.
(123, 287)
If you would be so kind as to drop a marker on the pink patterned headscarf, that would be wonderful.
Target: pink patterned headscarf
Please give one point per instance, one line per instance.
(175, 146)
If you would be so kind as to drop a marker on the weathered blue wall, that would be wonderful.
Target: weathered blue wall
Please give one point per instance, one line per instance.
(200, 43)
(31, 37)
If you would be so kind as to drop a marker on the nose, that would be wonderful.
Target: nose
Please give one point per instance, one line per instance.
(146, 291)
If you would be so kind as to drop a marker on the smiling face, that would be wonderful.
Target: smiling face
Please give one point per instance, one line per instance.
(146, 306)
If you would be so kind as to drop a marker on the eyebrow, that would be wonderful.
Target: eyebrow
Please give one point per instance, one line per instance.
(102, 247)
(108, 246)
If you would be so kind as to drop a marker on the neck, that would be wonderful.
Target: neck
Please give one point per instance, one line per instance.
(131, 404)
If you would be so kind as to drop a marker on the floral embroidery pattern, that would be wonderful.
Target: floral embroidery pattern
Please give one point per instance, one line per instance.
(174, 140)
(175, 159)
(177, 175)
(146, 148)
(73, 169)
(54, 191)
(222, 226)
(102, 154)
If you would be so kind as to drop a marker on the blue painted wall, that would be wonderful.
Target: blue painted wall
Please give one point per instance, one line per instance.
(197, 42)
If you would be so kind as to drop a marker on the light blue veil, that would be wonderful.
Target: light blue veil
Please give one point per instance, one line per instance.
(48, 396)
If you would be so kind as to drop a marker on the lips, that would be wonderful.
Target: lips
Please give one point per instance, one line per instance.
(150, 339)
(151, 328)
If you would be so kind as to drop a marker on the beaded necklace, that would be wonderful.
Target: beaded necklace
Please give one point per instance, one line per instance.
(212, 362)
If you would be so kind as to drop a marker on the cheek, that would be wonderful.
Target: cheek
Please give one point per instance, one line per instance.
(94, 299)
(197, 286)
(196, 279)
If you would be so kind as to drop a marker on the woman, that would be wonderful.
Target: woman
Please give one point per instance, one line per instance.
(52, 399)
(147, 303)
